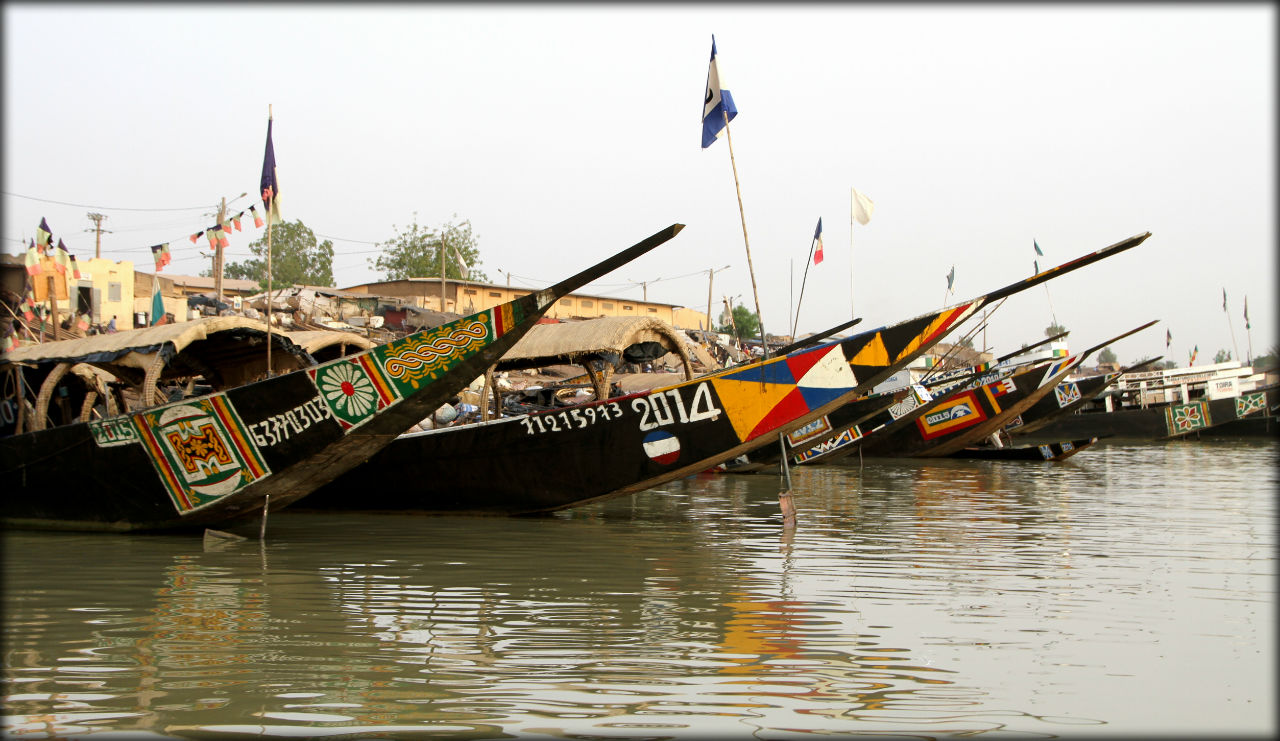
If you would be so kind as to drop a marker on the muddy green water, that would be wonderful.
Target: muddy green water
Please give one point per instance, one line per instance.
(1128, 590)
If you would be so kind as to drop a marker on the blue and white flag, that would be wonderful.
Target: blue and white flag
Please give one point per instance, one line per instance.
(716, 103)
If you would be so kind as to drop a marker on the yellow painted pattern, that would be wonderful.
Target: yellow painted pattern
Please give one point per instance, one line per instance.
(943, 320)
(873, 353)
(747, 402)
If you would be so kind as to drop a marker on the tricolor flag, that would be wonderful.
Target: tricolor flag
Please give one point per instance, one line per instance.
(863, 207)
(236, 220)
(951, 278)
(222, 236)
(213, 238)
(28, 308)
(270, 184)
(43, 235)
(32, 260)
(1039, 252)
(61, 258)
(717, 103)
(1246, 313)
(195, 236)
(75, 267)
(817, 237)
(257, 220)
(1193, 354)
(160, 252)
(157, 304)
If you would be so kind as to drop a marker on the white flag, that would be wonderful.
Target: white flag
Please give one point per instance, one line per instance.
(863, 207)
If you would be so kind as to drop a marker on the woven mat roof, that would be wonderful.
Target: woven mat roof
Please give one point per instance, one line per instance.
(568, 342)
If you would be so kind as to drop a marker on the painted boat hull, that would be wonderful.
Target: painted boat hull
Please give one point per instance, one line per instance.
(219, 459)
(1169, 421)
(563, 458)
(1048, 452)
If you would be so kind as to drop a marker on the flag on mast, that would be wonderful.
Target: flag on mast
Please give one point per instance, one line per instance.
(1246, 313)
(1168, 339)
(716, 103)
(32, 260)
(1036, 244)
(43, 235)
(951, 277)
(817, 237)
(863, 207)
(1224, 299)
(270, 184)
(157, 302)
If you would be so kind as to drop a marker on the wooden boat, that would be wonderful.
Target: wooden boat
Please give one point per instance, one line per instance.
(1065, 399)
(1050, 452)
(1170, 421)
(950, 421)
(558, 458)
(554, 459)
(224, 457)
(970, 415)
(824, 439)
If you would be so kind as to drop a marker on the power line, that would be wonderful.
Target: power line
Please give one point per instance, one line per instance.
(100, 208)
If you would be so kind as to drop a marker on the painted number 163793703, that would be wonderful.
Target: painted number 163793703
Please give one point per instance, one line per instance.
(570, 418)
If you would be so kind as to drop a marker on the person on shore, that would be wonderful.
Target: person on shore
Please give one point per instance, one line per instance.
(111, 326)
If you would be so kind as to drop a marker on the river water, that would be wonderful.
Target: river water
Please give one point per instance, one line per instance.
(1128, 590)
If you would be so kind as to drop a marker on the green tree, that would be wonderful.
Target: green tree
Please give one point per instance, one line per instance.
(1053, 329)
(1268, 360)
(1107, 355)
(416, 252)
(746, 324)
(296, 258)
(1222, 356)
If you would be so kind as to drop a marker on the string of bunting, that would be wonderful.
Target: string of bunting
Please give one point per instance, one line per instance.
(43, 258)
(64, 260)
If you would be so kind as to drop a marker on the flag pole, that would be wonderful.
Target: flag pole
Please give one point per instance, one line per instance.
(745, 242)
(802, 282)
(270, 223)
(791, 286)
(1248, 328)
(851, 192)
(1230, 326)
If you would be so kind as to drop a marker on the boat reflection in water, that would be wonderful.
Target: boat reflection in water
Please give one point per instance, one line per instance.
(926, 598)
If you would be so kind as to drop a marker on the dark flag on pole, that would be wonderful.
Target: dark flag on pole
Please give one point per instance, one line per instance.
(270, 183)
(1168, 339)
(1246, 313)
(1224, 299)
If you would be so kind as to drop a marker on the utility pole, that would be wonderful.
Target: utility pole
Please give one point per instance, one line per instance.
(97, 227)
(218, 259)
(711, 274)
(442, 284)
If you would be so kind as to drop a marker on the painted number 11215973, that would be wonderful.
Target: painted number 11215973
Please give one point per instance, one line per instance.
(569, 419)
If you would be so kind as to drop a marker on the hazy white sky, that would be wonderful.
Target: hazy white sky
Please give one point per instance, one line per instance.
(567, 132)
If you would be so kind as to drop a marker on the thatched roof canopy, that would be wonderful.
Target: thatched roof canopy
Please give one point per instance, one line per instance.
(614, 339)
(226, 350)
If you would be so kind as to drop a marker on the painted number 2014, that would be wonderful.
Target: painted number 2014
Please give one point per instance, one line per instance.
(668, 407)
